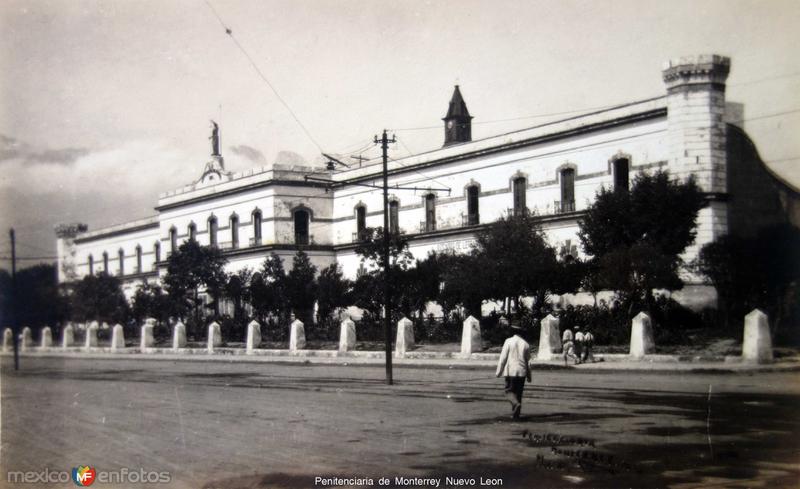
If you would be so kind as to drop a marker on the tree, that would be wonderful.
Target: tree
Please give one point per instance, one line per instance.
(515, 260)
(268, 289)
(99, 298)
(150, 301)
(368, 288)
(193, 266)
(760, 272)
(636, 237)
(302, 286)
(333, 291)
(237, 290)
(38, 301)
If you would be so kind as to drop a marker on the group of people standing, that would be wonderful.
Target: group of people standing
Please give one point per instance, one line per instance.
(577, 346)
(515, 359)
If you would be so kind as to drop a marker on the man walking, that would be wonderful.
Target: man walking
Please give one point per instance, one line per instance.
(514, 366)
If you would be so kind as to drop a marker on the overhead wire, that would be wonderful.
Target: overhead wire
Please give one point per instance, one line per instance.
(229, 32)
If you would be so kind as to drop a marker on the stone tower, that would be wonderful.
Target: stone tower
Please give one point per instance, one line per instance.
(697, 136)
(457, 122)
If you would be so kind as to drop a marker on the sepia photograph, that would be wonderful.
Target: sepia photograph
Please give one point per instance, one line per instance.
(302, 244)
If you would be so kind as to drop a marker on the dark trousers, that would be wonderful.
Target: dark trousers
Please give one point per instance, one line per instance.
(514, 388)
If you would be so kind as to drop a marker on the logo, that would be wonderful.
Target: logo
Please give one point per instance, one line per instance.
(83, 475)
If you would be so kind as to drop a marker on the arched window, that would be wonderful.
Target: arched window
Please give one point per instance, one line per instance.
(394, 217)
(138, 260)
(256, 227)
(121, 257)
(361, 222)
(192, 231)
(430, 212)
(234, 231)
(173, 239)
(473, 215)
(157, 253)
(567, 190)
(105, 263)
(301, 227)
(621, 169)
(91, 265)
(212, 231)
(520, 190)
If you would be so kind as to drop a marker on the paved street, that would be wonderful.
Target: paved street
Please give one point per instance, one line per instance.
(238, 425)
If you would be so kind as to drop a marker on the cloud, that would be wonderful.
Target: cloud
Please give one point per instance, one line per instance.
(14, 149)
(248, 152)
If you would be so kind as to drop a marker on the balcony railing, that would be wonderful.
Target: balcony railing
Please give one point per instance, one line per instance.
(425, 226)
(562, 206)
(360, 236)
(470, 219)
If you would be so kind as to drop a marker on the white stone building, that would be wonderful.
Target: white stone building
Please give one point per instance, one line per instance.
(553, 169)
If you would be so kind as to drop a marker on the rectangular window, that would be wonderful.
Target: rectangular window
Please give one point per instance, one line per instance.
(234, 232)
(212, 232)
(621, 174)
(473, 217)
(138, 259)
(361, 222)
(520, 189)
(567, 190)
(430, 212)
(257, 227)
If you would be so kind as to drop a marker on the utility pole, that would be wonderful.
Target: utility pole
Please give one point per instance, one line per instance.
(13, 298)
(387, 316)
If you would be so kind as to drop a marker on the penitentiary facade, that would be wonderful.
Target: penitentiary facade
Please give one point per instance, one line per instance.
(553, 170)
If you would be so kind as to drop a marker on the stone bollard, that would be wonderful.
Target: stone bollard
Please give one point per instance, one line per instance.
(549, 338)
(179, 336)
(214, 336)
(47, 337)
(147, 338)
(642, 336)
(68, 336)
(405, 337)
(117, 338)
(757, 344)
(8, 340)
(470, 336)
(297, 336)
(347, 335)
(253, 335)
(91, 334)
(25, 339)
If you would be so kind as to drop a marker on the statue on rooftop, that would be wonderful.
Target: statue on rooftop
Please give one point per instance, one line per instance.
(214, 139)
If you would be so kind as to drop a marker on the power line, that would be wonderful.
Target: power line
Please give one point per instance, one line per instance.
(6, 257)
(229, 32)
(767, 116)
(761, 80)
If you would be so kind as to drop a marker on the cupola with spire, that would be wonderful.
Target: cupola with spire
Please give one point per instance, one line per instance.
(457, 122)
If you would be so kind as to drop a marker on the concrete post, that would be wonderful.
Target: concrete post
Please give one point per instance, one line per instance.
(68, 336)
(549, 338)
(8, 339)
(347, 335)
(25, 339)
(47, 337)
(147, 339)
(214, 336)
(405, 337)
(253, 335)
(91, 334)
(179, 336)
(642, 336)
(297, 336)
(757, 344)
(470, 336)
(117, 338)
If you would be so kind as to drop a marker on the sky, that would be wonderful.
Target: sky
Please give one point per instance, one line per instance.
(106, 104)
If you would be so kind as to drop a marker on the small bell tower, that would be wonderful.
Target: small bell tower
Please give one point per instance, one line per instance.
(457, 122)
